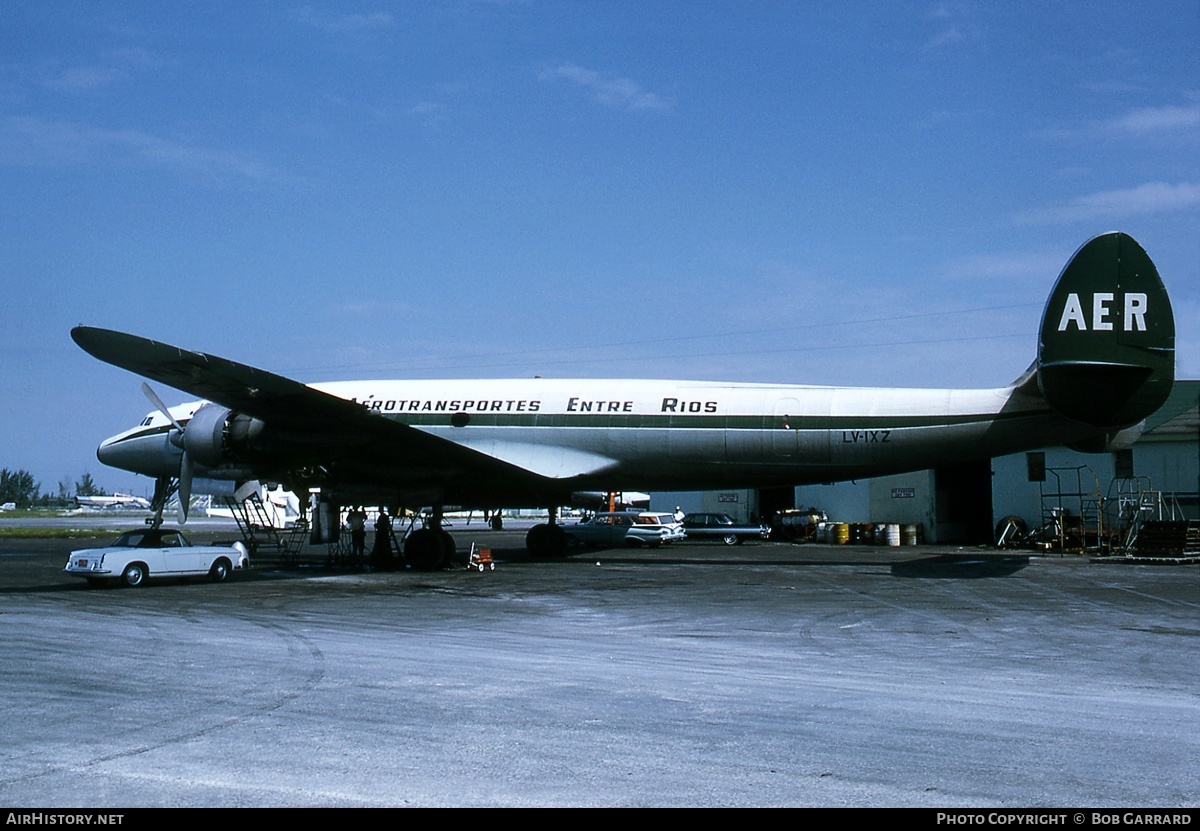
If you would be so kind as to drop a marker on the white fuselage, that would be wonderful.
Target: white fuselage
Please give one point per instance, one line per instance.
(621, 434)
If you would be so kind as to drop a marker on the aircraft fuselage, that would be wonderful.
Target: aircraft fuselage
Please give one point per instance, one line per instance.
(577, 435)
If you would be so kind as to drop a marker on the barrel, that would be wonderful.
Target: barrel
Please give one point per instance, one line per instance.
(910, 534)
(893, 535)
(840, 534)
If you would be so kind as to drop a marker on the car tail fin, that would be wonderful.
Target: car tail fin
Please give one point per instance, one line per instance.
(1107, 350)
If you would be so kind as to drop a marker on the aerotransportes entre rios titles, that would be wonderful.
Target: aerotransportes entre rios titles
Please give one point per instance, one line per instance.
(575, 404)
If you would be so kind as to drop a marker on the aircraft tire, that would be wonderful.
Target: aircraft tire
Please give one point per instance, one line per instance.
(449, 549)
(427, 550)
(546, 542)
(1018, 524)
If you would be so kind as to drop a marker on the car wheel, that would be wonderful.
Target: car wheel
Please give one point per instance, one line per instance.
(730, 539)
(134, 575)
(633, 542)
(219, 571)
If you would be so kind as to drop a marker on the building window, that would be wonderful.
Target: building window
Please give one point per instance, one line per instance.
(1123, 464)
(1035, 464)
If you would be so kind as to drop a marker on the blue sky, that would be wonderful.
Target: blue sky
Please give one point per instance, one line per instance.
(861, 193)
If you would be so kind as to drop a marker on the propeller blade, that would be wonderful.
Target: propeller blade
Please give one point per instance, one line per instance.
(185, 486)
(184, 490)
(162, 408)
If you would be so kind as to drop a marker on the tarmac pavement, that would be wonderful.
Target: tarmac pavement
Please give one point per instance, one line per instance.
(693, 675)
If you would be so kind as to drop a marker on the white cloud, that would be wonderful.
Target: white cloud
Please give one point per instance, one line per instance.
(1150, 198)
(83, 78)
(335, 23)
(954, 23)
(1140, 123)
(1024, 266)
(31, 140)
(608, 90)
(1157, 119)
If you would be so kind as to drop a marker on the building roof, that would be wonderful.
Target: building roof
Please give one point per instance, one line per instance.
(1179, 418)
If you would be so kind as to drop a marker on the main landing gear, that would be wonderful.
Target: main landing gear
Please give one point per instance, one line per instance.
(547, 541)
(430, 548)
(433, 548)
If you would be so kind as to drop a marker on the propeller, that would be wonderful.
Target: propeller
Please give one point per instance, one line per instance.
(186, 468)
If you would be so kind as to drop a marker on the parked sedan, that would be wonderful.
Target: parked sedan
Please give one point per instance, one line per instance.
(720, 527)
(155, 552)
(623, 528)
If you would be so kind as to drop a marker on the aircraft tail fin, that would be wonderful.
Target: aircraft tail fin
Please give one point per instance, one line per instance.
(1106, 354)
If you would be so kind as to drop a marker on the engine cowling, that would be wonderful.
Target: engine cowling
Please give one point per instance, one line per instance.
(216, 435)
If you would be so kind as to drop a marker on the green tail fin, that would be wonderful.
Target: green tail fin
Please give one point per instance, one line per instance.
(1107, 350)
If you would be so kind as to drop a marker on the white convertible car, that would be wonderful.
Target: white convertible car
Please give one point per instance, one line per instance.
(155, 552)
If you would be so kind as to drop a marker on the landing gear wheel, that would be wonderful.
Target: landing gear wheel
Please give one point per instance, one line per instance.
(428, 549)
(449, 549)
(1011, 530)
(546, 542)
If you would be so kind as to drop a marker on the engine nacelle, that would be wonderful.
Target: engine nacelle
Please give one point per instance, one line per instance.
(216, 435)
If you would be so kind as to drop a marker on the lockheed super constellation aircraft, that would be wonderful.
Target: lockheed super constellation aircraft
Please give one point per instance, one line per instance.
(1105, 361)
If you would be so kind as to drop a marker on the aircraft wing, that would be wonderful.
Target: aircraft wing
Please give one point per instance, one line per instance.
(255, 392)
(318, 418)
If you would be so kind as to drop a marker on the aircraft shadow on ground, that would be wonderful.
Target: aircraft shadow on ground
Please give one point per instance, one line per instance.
(964, 566)
(957, 566)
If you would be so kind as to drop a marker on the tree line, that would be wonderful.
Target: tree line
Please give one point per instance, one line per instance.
(20, 488)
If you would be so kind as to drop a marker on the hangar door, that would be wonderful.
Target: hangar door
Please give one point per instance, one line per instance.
(963, 503)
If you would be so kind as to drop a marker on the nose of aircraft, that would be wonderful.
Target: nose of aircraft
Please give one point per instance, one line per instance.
(149, 455)
(112, 453)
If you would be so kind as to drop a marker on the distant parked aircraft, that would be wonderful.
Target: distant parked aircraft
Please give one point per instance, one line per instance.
(117, 500)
